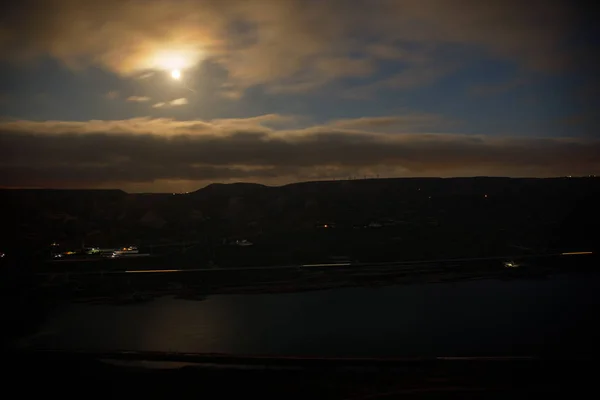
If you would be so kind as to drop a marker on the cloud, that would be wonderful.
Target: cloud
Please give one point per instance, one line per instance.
(138, 99)
(146, 75)
(260, 120)
(111, 95)
(403, 123)
(144, 150)
(291, 45)
(231, 94)
(177, 102)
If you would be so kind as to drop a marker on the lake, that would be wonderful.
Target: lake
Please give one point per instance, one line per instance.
(483, 317)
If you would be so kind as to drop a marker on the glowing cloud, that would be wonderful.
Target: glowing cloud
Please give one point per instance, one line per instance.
(173, 60)
(138, 99)
(179, 102)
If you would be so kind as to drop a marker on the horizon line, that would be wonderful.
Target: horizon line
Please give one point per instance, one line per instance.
(350, 179)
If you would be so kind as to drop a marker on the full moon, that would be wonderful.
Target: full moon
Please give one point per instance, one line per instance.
(176, 74)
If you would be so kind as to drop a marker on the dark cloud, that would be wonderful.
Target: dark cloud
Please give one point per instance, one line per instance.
(122, 153)
(293, 45)
(407, 123)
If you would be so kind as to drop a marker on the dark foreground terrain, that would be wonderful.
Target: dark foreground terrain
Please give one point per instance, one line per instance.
(277, 378)
(375, 233)
(378, 220)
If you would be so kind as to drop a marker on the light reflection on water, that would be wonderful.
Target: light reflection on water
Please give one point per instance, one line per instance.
(463, 318)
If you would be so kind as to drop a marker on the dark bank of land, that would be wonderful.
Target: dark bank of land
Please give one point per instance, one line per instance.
(362, 221)
(143, 285)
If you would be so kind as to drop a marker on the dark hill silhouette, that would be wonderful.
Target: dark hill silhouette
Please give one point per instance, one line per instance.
(474, 214)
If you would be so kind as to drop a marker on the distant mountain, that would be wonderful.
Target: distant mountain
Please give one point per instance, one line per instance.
(231, 189)
(434, 209)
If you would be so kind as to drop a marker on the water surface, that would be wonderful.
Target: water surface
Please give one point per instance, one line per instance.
(486, 317)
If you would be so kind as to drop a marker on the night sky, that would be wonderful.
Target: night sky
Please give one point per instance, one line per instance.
(278, 91)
